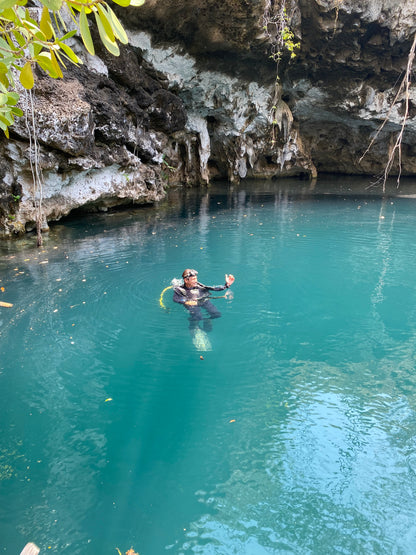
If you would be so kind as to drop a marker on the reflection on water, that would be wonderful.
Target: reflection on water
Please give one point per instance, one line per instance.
(295, 434)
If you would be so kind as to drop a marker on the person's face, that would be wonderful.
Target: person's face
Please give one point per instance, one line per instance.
(191, 281)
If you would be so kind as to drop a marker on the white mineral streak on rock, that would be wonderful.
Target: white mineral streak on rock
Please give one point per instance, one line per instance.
(198, 125)
(240, 109)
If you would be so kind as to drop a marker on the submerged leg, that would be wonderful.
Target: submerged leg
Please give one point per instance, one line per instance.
(195, 316)
(212, 310)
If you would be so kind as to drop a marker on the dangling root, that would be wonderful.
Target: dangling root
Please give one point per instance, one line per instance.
(397, 147)
(34, 164)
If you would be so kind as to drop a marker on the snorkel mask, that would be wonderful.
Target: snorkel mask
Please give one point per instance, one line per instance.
(189, 273)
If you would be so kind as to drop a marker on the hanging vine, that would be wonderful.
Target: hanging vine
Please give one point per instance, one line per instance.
(337, 6)
(402, 93)
(276, 26)
(34, 156)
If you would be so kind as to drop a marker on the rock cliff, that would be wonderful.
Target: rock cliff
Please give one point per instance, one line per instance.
(194, 97)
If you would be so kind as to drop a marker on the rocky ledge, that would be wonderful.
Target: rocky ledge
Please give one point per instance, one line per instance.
(194, 98)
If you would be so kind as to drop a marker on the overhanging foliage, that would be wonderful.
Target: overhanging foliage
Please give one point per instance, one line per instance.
(39, 35)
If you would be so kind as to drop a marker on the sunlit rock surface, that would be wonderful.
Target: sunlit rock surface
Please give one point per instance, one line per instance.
(194, 98)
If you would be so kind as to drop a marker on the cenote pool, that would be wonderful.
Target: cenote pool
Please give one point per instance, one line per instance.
(295, 434)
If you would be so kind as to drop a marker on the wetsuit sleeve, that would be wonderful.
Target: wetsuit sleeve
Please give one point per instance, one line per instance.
(178, 296)
(215, 287)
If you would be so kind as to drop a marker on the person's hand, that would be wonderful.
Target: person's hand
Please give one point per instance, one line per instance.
(191, 303)
(229, 279)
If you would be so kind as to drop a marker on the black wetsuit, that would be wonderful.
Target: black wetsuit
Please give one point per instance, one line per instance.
(199, 293)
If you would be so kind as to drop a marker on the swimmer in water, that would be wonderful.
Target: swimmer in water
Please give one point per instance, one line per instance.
(194, 296)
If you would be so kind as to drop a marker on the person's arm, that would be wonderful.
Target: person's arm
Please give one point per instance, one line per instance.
(214, 288)
(229, 280)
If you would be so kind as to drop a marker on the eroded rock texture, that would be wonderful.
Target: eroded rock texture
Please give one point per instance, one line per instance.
(194, 98)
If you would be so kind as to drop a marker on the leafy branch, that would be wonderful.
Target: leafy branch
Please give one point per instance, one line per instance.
(276, 25)
(26, 42)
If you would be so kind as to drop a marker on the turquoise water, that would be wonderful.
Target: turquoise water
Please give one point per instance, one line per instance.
(294, 435)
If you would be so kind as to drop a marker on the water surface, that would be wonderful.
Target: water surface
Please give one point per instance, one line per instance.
(295, 434)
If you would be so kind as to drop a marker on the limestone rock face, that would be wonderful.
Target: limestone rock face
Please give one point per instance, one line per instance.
(343, 84)
(101, 143)
(194, 97)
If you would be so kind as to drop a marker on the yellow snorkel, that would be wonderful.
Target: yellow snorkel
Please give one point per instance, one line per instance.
(161, 303)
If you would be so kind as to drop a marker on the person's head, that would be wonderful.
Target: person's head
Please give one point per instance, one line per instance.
(189, 277)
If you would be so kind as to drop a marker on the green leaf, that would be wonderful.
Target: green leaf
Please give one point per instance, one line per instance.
(4, 4)
(56, 65)
(4, 80)
(4, 45)
(70, 53)
(57, 52)
(46, 24)
(106, 24)
(12, 48)
(8, 14)
(8, 117)
(12, 98)
(108, 43)
(26, 76)
(68, 35)
(61, 21)
(4, 126)
(80, 5)
(53, 5)
(29, 21)
(3, 68)
(21, 41)
(3, 98)
(117, 26)
(36, 48)
(137, 3)
(44, 59)
(17, 111)
(122, 3)
(85, 32)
